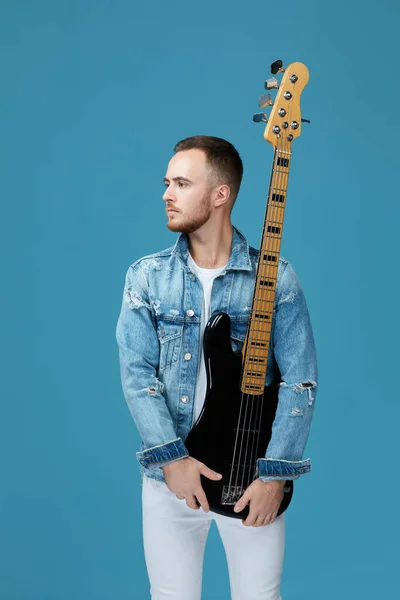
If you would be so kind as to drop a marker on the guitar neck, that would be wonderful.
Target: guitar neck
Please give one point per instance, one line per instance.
(255, 349)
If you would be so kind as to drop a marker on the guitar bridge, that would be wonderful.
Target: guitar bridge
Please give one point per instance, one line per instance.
(231, 494)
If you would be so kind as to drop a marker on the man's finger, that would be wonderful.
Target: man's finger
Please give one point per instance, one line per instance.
(191, 502)
(202, 498)
(207, 472)
(270, 518)
(251, 517)
(242, 502)
(260, 521)
(249, 522)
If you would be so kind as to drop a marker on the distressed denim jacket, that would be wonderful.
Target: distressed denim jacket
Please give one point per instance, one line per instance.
(158, 334)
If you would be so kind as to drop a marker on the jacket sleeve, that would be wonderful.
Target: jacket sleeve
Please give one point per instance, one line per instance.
(295, 354)
(139, 359)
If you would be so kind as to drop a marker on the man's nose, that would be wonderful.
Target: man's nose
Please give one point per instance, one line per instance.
(168, 195)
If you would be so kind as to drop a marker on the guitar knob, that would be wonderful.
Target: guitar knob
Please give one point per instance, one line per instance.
(277, 67)
(271, 83)
(258, 117)
(265, 100)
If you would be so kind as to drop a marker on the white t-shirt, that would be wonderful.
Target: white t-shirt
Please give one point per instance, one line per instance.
(206, 278)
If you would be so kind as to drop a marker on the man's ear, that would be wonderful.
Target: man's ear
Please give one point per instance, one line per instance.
(222, 195)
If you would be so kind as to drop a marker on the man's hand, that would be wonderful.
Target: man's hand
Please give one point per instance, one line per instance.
(265, 498)
(183, 478)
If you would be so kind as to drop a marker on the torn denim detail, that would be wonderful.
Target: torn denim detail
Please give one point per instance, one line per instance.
(134, 299)
(289, 298)
(156, 305)
(151, 264)
(275, 468)
(163, 454)
(157, 388)
(300, 387)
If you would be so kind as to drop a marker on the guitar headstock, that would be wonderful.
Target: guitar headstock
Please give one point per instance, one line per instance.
(284, 122)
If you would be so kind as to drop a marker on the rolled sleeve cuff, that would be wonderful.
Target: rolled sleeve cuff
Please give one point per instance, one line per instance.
(163, 454)
(275, 468)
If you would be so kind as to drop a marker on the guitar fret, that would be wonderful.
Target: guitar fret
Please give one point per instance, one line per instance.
(261, 316)
(273, 229)
(278, 197)
(258, 334)
(271, 256)
(269, 313)
(266, 283)
(282, 162)
(277, 222)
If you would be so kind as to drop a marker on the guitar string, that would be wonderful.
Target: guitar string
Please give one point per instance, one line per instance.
(257, 333)
(287, 153)
(272, 214)
(253, 335)
(271, 269)
(283, 178)
(265, 270)
(244, 374)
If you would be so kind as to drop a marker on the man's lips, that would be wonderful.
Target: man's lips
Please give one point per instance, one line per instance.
(172, 210)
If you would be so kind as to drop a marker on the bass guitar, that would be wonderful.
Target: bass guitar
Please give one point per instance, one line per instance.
(235, 424)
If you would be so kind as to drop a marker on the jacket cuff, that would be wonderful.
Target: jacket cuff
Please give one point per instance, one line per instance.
(163, 454)
(275, 468)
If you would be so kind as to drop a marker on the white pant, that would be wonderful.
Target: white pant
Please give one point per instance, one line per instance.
(175, 535)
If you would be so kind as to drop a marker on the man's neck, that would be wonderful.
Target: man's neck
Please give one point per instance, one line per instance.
(211, 246)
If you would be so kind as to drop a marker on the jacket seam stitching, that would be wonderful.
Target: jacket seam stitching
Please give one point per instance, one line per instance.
(157, 462)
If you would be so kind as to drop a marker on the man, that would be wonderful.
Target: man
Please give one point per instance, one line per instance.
(168, 298)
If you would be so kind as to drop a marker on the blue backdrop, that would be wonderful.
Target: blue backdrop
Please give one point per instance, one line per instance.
(94, 96)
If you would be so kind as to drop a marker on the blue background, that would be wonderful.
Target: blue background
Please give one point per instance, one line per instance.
(94, 96)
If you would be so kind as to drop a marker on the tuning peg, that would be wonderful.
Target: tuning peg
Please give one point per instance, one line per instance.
(258, 117)
(265, 100)
(276, 67)
(271, 83)
(305, 121)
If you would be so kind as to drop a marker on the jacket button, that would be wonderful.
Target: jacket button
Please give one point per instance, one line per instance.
(190, 312)
(188, 356)
(185, 399)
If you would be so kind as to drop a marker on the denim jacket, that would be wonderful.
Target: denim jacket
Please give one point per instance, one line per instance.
(158, 334)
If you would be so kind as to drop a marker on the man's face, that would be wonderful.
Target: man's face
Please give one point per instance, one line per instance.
(189, 182)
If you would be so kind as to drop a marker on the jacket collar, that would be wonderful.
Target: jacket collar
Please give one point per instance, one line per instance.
(239, 259)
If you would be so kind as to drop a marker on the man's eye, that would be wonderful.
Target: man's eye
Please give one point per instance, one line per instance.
(181, 183)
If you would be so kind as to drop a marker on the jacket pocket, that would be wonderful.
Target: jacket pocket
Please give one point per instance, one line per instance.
(169, 336)
(238, 334)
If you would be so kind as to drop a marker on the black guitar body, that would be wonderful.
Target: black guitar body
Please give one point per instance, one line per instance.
(214, 436)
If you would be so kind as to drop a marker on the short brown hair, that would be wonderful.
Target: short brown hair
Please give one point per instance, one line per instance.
(222, 156)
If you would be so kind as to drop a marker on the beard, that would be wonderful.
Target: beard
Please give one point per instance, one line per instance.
(189, 224)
